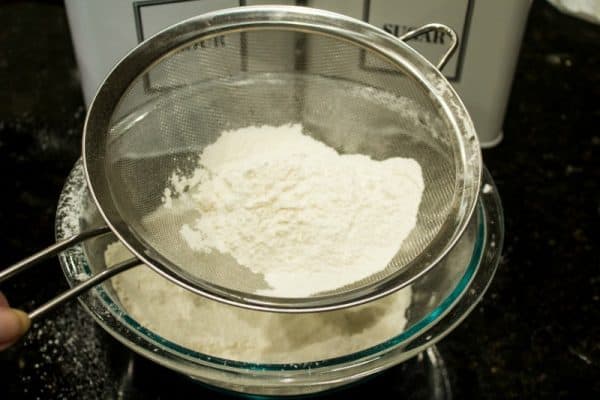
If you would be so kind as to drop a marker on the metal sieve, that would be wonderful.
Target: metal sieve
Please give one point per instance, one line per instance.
(351, 85)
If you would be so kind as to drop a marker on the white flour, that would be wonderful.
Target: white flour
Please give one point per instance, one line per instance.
(232, 333)
(294, 210)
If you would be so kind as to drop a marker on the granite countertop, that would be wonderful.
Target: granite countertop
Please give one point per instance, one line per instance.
(536, 334)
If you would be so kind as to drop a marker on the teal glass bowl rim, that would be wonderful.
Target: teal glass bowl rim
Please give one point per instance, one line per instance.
(192, 355)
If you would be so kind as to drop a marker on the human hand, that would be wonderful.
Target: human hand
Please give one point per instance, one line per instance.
(13, 324)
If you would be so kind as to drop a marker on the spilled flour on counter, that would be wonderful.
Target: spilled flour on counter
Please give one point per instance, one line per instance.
(292, 209)
(233, 333)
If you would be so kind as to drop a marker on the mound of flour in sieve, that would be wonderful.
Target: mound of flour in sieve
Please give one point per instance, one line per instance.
(291, 208)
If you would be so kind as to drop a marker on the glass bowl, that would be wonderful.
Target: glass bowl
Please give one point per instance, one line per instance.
(441, 299)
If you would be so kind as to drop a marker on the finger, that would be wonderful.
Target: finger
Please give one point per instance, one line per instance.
(3, 300)
(4, 346)
(13, 324)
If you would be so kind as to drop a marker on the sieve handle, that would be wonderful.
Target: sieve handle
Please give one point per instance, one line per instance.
(50, 251)
(55, 249)
(83, 286)
(435, 27)
(77, 289)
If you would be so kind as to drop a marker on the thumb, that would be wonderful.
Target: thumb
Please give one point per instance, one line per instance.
(13, 324)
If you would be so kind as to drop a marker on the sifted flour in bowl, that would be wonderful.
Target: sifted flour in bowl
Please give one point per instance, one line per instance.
(234, 333)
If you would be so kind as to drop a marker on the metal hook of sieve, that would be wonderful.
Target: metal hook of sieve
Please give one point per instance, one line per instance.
(435, 27)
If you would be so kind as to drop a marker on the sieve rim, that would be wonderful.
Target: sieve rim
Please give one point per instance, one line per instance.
(304, 19)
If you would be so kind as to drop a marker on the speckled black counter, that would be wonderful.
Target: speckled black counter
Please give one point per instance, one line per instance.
(535, 335)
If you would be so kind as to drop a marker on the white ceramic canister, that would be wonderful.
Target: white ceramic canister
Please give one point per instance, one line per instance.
(481, 70)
